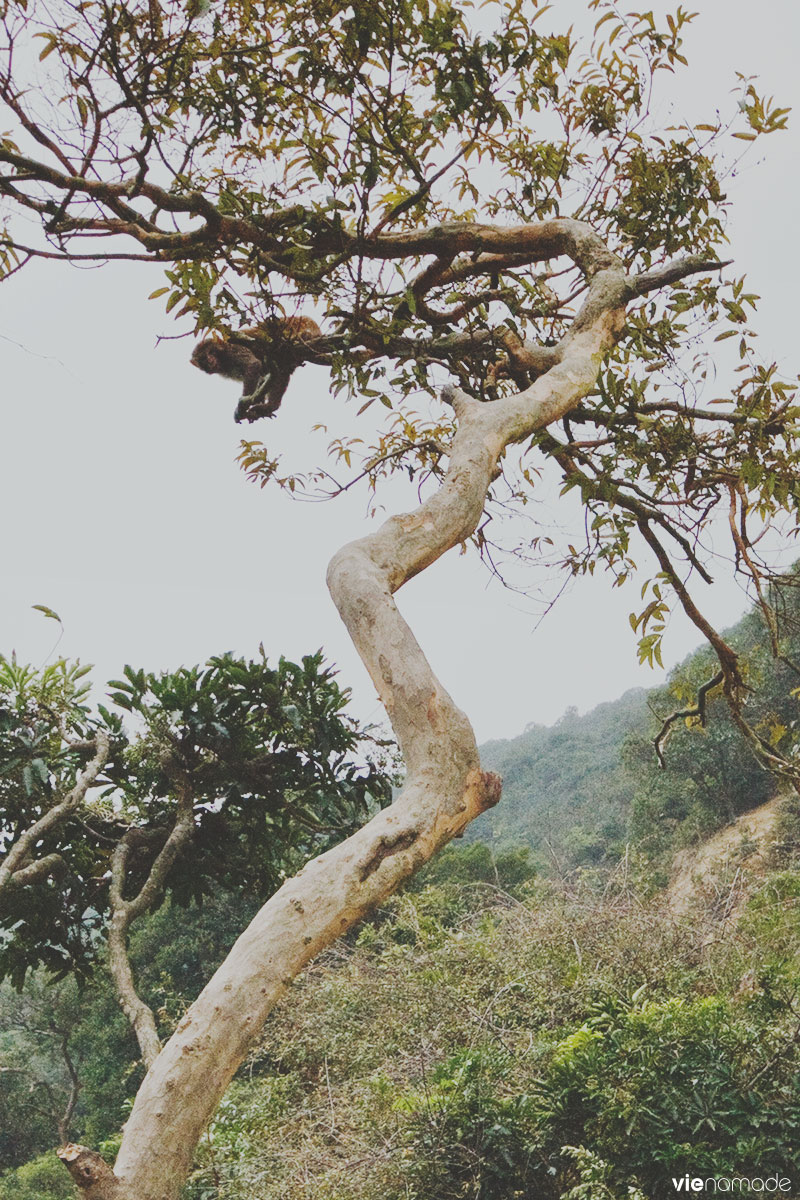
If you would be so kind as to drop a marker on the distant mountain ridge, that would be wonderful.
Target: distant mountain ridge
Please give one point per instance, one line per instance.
(565, 784)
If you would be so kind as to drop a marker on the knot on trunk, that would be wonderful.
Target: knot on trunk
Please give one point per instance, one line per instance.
(90, 1173)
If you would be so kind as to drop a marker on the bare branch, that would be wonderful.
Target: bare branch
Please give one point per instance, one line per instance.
(695, 710)
(673, 272)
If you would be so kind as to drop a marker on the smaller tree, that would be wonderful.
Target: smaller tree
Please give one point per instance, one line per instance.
(237, 772)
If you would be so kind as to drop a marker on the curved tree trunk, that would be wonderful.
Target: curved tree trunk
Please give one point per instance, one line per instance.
(445, 788)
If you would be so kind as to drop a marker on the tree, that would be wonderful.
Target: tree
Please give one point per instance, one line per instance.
(482, 214)
(237, 773)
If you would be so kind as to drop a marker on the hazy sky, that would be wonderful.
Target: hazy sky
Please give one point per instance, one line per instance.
(122, 507)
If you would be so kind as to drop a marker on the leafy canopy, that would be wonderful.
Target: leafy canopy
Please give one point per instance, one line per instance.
(272, 769)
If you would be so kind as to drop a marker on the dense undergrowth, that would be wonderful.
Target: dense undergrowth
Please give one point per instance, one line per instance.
(493, 1035)
(473, 1034)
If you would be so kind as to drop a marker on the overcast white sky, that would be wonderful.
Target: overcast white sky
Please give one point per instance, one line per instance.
(122, 508)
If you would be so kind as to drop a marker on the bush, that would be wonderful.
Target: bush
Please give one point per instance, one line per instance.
(662, 1088)
(470, 1138)
(43, 1178)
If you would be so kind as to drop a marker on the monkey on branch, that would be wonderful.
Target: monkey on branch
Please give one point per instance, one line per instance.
(262, 359)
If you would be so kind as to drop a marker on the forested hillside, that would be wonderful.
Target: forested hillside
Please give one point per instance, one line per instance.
(579, 791)
(565, 786)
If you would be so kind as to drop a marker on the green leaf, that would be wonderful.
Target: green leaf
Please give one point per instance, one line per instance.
(48, 612)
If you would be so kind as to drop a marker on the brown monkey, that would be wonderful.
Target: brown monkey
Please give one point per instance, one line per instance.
(263, 361)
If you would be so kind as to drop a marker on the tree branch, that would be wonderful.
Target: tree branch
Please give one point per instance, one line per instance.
(694, 710)
(124, 913)
(21, 852)
(673, 272)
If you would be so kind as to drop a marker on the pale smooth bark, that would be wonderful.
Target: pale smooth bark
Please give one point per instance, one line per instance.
(124, 911)
(445, 787)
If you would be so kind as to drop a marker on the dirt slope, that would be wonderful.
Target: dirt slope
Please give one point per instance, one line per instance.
(716, 872)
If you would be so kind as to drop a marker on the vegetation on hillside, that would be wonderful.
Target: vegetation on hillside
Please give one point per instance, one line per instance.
(579, 792)
(490, 1035)
(474, 1033)
(503, 1038)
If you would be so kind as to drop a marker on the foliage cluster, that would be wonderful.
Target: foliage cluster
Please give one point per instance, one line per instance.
(263, 761)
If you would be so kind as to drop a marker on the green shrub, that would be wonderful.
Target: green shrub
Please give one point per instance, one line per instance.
(470, 1137)
(659, 1089)
(42, 1178)
(594, 1176)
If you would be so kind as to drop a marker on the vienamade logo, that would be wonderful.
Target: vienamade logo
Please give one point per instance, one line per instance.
(738, 1185)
